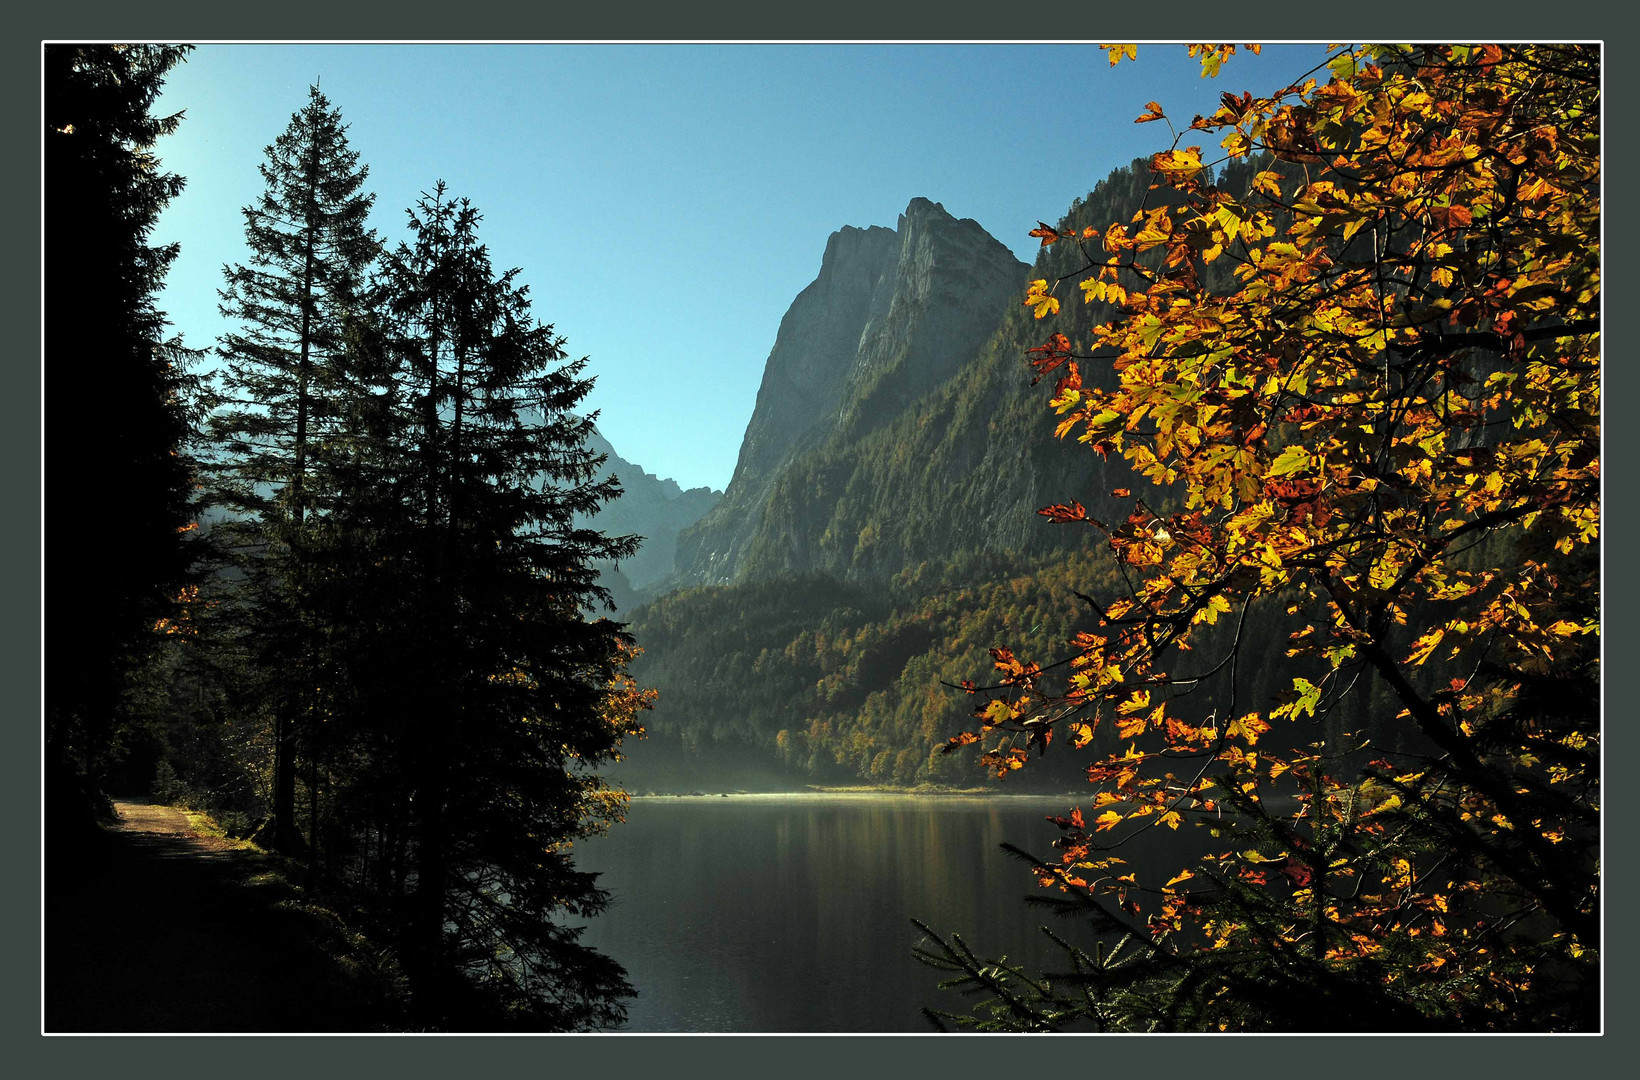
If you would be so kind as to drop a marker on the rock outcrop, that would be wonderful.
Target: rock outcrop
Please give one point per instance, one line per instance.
(892, 314)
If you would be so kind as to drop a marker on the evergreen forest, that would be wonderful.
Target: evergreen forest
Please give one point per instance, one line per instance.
(355, 618)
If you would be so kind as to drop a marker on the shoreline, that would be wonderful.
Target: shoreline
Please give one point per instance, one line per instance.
(858, 792)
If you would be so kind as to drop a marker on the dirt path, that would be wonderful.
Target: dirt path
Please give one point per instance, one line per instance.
(158, 929)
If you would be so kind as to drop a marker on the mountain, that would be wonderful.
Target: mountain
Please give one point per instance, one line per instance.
(650, 507)
(859, 568)
(892, 313)
(939, 444)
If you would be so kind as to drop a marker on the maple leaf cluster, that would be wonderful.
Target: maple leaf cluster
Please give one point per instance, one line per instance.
(1366, 390)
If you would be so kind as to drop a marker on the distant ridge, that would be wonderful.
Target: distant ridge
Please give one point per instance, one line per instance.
(651, 507)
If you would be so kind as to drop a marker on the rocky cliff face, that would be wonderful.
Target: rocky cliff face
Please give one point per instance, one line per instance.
(962, 467)
(892, 314)
(650, 507)
(953, 283)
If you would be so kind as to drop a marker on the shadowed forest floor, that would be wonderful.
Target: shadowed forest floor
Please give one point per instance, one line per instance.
(154, 928)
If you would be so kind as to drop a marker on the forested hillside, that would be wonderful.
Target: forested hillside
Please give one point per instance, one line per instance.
(832, 682)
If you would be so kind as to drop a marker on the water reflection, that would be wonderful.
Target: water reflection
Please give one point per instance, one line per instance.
(791, 913)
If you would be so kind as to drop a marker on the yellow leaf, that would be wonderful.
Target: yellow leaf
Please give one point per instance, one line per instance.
(1290, 461)
(1037, 296)
(1186, 162)
(1139, 701)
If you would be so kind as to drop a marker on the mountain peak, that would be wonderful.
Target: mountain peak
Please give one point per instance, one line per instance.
(920, 209)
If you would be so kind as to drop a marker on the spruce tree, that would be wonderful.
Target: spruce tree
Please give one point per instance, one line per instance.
(501, 696)
(288, 391)
(116, 402)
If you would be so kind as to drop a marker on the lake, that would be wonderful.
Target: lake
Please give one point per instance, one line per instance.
(791, 913)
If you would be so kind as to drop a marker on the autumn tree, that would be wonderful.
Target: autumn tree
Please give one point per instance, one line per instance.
(1376, 440)
(288, 388)
(117, 394)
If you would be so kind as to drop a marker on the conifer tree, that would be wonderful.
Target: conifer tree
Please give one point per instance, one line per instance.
(116, 390)
(288, 389)
(503, 694)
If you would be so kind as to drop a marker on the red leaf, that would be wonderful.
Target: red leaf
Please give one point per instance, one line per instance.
(1049, 355)
(1297, 872)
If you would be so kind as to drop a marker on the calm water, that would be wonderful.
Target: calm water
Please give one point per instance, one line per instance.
(792, 913)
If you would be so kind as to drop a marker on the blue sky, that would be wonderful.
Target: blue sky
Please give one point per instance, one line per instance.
(665, 203)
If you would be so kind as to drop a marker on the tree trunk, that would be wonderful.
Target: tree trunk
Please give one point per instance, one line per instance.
(285, 836)
(424, 951)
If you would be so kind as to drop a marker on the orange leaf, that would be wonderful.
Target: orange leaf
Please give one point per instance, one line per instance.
(1047, 232)
(1059, 513)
